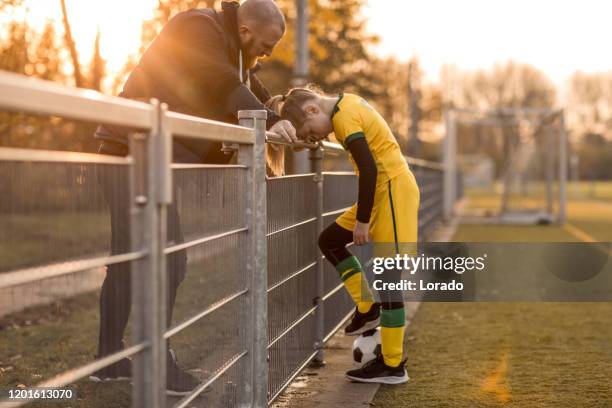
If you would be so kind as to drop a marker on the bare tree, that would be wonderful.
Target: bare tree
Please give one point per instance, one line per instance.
(6, 4)
(590, 104)
(74, 56)
(414, 111)
(97, 66)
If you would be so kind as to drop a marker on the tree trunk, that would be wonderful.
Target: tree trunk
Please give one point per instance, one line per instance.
(78, 77)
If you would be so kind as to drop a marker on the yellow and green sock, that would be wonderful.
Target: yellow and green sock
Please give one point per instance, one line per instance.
(351, 274)
(392, 335)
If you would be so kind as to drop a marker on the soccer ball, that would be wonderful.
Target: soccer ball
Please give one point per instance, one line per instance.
(366, 347)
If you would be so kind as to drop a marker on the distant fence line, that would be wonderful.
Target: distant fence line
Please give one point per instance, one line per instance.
(277, 299)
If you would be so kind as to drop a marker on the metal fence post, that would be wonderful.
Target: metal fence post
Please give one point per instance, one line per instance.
(549, 162)
(450, 164)
(316, 163)
(562, 169)
(149, 187)
(255, 394)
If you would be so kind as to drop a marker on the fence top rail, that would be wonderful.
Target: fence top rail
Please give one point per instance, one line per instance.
(424, 163)
(206, 129)
(332, 147)
(12, 154)
(336, 148)
(36, 96)
(273, 138)
(510, 111)
(326, 145)
(19, 93)
(339, 173)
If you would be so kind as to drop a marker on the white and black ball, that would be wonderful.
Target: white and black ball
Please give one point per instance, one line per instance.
(366, 347)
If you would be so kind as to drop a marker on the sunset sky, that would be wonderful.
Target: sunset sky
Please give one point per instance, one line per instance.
(557, 37)
(119, 22)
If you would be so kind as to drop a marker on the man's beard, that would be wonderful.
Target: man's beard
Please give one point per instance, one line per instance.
(249, 61)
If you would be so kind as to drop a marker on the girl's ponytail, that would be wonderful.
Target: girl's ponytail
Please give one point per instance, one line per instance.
(275, 154)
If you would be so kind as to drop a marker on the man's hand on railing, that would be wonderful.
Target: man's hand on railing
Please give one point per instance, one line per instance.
(285, 129)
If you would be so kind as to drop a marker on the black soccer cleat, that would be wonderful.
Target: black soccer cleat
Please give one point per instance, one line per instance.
(120, 371)
(376, 371)
(362, 322)
(178, 381)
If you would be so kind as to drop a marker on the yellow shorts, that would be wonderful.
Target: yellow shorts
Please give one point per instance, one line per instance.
(395, 213)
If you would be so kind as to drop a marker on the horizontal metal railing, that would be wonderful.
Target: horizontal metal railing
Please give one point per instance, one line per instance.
(178, 328)
(48, 156)
(278, 307)
(36, 96)
(206, 129)
(29, 275)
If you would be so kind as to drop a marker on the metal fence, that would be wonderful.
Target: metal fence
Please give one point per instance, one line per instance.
(257, 303)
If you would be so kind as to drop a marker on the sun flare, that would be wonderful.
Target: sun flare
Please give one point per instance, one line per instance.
(119, 22)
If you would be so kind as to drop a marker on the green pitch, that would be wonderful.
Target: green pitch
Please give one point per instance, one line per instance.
(515, 354)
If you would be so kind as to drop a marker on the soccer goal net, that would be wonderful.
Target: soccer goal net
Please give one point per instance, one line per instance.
(510, 165)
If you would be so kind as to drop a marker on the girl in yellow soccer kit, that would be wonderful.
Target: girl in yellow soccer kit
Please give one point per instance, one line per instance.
(386, 211)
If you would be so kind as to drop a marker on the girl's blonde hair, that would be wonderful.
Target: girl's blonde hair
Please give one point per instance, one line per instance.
(275, 154)
(290, 105)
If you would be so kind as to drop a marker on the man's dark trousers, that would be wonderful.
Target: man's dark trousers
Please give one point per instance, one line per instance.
(115, 297)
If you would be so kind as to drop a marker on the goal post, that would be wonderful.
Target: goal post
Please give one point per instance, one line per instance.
(513, 163)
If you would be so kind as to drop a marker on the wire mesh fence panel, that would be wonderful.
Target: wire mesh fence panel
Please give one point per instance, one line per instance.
(210, 201)
(292, 278)
(336, 161)
(48, 343)
(289, 302)
(337, 306)
(291, 226)
(290, 354)
(214, 271)
(65, 276)
(431, 188)
(339, 191)
(207, 284)
(291, 296)
(210, 352)
(290, 201)
(291, 252)
(43, 202)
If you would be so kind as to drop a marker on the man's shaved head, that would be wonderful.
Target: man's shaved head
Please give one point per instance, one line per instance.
(261, 13)
(261, 25)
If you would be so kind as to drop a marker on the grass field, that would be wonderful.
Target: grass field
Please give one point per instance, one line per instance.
(507, 354)
(44, 341)
(514, 354)
(589, 209)
(523, 352)
(34, 240)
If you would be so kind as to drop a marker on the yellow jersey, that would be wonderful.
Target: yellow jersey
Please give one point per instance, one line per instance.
(354, 118)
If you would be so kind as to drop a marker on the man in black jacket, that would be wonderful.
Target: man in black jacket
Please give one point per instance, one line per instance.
(202, 63)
